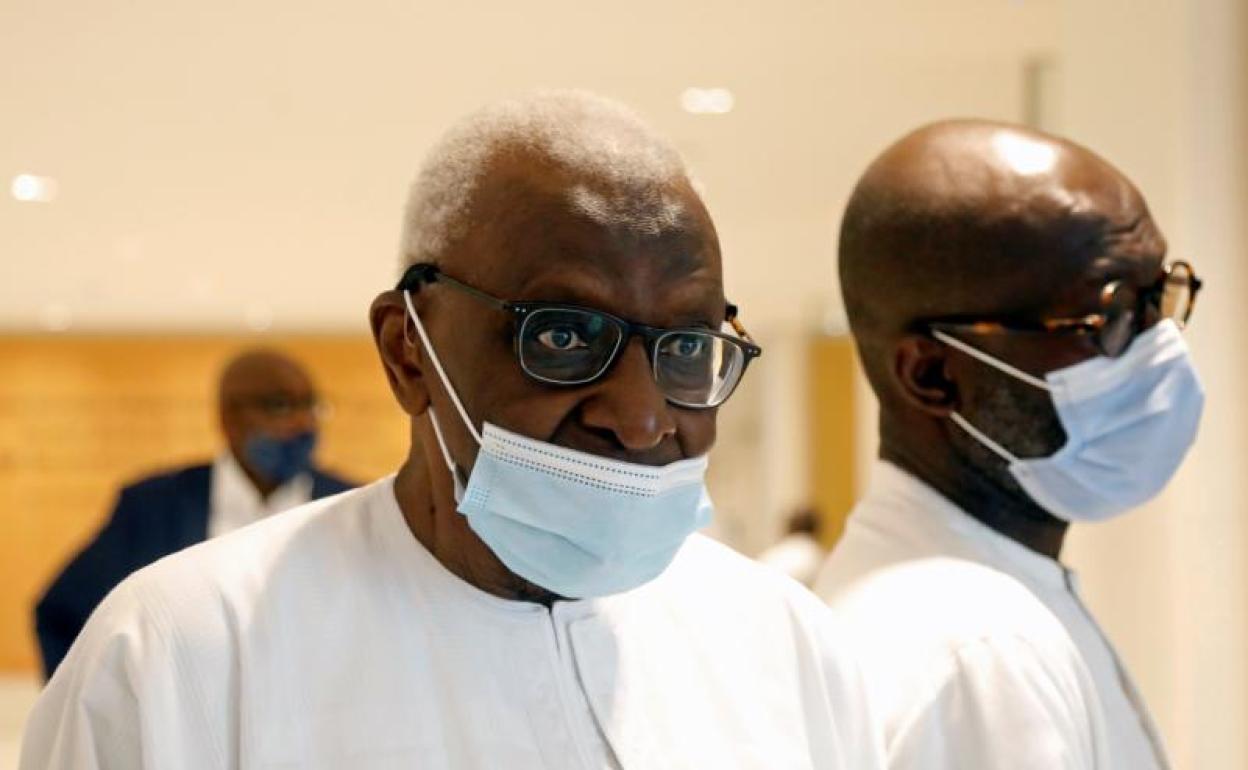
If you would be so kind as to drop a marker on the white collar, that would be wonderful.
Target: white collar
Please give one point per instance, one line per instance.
(235, 502)
(910, 509)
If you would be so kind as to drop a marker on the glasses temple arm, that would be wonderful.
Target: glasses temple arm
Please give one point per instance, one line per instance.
(417, 275)
(730, 315)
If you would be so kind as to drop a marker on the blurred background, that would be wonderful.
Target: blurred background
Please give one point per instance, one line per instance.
(181, 180)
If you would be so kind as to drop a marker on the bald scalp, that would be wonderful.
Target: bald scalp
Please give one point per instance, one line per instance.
(974, 218)
(256, 369)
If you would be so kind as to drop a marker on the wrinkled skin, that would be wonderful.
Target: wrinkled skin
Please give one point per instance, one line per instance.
(529, 241)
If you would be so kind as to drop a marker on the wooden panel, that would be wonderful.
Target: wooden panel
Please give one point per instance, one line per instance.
(831, 432)
(80, 416)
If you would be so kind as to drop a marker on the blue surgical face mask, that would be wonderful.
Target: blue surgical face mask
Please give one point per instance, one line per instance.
(280, 460)
(574, 523)
(1129, 422)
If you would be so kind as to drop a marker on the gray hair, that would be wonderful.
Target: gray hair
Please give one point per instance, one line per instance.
(594, 138)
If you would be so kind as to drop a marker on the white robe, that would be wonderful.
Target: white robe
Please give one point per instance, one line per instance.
(329, 638)
(978, 651)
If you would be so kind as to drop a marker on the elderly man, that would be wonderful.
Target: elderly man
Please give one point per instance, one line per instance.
(1011, 302)
(526, 592)
(267, 411)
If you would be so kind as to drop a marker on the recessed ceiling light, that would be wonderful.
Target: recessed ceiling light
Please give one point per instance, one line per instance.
(29, 188)
(707, 101)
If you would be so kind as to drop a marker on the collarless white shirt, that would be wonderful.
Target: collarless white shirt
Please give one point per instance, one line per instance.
(979, 652)
(234, 502)
(328, 637)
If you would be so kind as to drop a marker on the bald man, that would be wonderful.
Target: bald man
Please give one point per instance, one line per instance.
(267, 411)
(1011, 301)
(529, 589)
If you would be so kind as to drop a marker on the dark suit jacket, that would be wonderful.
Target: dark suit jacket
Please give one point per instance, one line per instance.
(153, 518)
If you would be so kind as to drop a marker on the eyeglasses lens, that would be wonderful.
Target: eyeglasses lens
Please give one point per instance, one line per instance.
(566, 345)
(1120, 320)
(697, 369)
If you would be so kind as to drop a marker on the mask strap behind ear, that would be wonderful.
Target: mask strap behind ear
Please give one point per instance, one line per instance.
(446, 455)
(995, 363)
(982, 438)
(437, 364)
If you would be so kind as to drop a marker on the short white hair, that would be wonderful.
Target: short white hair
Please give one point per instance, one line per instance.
(593, 138)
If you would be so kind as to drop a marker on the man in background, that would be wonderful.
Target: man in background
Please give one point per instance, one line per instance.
(268, 416)
(1014, 310)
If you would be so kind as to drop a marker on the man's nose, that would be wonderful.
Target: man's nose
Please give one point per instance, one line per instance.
(628, 403)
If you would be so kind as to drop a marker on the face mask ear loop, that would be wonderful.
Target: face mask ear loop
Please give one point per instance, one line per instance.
(437, 432)
(995, 363)
(982, 438)
(446, 382)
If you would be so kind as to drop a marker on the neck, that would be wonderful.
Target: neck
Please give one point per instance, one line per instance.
(1006, 511)
(426, 497)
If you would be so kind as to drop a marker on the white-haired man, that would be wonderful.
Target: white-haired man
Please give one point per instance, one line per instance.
(526, 591)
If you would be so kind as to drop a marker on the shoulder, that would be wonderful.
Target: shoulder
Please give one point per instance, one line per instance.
(325, 531)
(164, 482)
(944, 601)
(725, 590)
(325, 483)
(201, 601)
(969, 711)
(158, 494)
(706, 570)
(273, 565)
(943, 630)
(173, 635)
(767, 632)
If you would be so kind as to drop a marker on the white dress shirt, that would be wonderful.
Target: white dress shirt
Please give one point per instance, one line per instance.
(978, 651)
(234, 502)
(328, 637)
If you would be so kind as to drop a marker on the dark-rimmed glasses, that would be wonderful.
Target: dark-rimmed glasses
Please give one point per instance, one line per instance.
(569, 345)
(1125, 312)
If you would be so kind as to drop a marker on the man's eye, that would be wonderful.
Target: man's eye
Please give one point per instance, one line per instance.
(561, 338)
(686, 346)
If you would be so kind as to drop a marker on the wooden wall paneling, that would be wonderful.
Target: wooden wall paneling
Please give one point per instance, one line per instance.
(831, 432)
(82, 415)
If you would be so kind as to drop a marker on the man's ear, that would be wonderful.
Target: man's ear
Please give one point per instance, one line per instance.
(921, 366)
(401, 354)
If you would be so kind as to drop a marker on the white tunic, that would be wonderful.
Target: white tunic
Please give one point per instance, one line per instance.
(978, 651)
(327, 637)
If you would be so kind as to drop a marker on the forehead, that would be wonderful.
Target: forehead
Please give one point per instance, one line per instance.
(265, 377)
(1072, 233)
(555, 233)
